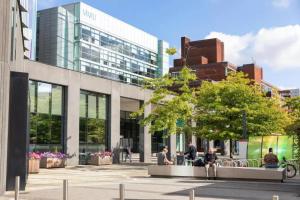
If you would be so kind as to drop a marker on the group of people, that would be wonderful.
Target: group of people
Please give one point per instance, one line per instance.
(270, 159)
(191, 154)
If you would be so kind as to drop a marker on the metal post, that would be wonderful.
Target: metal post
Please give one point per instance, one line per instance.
(17, 187)
(122, 191)
(275, 197)
(65, 189)
(192, 194)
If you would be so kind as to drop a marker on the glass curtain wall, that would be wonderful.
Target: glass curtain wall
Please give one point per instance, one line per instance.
(93, 123)
(46, 116)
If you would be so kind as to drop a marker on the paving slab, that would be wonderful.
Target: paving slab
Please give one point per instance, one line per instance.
(102, 182)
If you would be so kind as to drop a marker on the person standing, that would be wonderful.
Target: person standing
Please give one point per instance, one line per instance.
(271, 159)
(210, 161)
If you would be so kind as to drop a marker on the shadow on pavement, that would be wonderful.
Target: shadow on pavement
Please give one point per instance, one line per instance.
(242, 190)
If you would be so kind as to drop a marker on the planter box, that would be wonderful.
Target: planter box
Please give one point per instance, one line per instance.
(52, 163)
(97, 160)
(33, 166)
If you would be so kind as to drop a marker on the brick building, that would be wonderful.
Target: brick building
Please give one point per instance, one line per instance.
(206, 58)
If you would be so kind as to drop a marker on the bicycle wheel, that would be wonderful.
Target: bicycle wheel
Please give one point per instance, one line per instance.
(291, 171)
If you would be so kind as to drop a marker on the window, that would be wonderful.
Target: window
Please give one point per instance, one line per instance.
(93, 122)
(46, 116)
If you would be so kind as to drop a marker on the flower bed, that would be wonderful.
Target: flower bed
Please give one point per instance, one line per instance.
(53, 160)
(33, 163)
(101, 158)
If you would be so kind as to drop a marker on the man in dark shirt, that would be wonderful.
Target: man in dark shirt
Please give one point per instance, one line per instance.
(271, 159)
(192, 152)
(210, 161)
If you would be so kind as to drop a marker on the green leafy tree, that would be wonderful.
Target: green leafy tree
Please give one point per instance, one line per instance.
(171, 111)
(220, 108)
(171, 51)
(293, 104)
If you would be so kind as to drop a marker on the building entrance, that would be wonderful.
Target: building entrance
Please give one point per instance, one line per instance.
(129, 129)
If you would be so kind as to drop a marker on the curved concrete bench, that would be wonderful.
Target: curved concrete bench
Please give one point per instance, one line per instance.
(222, 172)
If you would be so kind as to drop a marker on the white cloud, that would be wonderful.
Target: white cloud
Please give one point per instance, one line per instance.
(277, 48)
(281, 3)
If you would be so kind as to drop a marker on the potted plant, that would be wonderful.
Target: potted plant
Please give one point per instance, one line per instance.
(53, 160)
(33, 162)
(101, 158)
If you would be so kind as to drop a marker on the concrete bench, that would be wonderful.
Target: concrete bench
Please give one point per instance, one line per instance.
(222, 172)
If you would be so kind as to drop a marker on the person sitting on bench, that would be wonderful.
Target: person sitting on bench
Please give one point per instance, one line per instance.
(210, 161)
(271, 159)
(162, 157)
(192, 152)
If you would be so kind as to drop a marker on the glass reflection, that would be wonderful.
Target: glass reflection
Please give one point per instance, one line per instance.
(93, 123)
(46, 116)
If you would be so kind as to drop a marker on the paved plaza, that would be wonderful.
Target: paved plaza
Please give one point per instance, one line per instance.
(93, 182)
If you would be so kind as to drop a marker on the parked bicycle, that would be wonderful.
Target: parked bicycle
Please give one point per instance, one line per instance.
(291, 170)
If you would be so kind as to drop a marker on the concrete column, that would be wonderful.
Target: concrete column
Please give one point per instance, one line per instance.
(194, 138)
(5, 42)
(145, 140)
(115, 116)
(172, 147)
(243, 146)
(73, 105)
(4, 105)
(211, 144)
(226, 147)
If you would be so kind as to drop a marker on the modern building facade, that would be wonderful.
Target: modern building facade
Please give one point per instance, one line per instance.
(68, 109)
(79, 37)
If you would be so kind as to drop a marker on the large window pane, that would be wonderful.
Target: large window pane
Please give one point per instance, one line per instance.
(92, 106)
(56, 100)
(102, 107)
(43, 101)
(93, 124)
(32, 96)
(46, 122)
(82, 105)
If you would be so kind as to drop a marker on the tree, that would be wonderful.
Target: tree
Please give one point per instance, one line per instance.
(220, 107)
(293, 104)
(169, 108)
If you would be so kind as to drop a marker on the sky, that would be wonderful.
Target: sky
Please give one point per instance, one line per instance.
(266, 32)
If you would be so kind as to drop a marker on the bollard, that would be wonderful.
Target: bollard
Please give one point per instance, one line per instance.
(122, 191)
(65, 189)
(17, 187)
(192, 194)
(275, 197)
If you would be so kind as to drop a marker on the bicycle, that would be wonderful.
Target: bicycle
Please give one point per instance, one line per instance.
(291, 170)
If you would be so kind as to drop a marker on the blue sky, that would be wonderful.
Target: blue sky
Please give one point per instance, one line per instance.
(266, 31)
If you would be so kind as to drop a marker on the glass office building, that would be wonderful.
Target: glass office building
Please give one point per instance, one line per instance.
(79, 37)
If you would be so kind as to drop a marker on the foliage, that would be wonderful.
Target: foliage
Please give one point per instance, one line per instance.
(293, 104)
(171, 51)
(220, 108)
(169, 107)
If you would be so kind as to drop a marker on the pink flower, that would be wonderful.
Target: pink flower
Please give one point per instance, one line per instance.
(33, 155)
